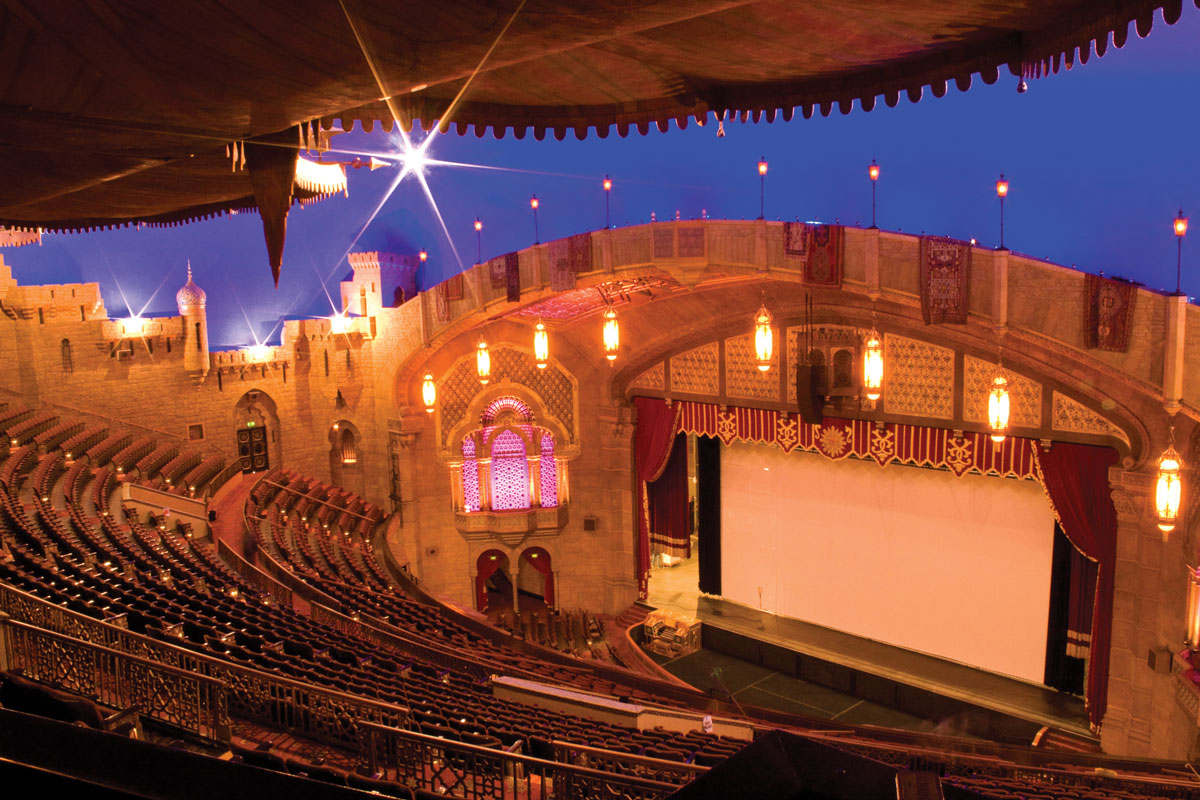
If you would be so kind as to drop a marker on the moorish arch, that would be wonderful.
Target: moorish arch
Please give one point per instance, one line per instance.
(256, 431)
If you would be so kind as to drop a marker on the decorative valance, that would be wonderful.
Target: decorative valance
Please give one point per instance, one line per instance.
(914, 445)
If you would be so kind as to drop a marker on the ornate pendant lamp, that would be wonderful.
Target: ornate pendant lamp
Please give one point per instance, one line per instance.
(873, 366)
(541, 345)
(998, 407)
(764, 338)
(429, 392)
(483, 361)
(612, 334)
(1168, 488)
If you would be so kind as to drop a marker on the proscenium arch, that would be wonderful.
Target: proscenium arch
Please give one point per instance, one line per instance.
(1076, 378)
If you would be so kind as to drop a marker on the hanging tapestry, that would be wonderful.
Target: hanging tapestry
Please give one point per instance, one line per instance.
(945, 270)
(795, 239)
(824, 264)
(562, 278)
(691, 241)
(442, 302)
(1109, 313)
(512, 275)
(579, 252)
(454, 287)
(496, 270)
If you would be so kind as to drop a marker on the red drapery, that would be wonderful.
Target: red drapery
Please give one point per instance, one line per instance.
(488, 563)
(1081, 604)
(656, 424)
(542, 564)
(667, 505)
(1076, 479)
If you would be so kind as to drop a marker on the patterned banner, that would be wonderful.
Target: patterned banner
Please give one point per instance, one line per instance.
(795, 239)
(496, 269)
(914, 445)
(454, 287)
(442, 304)
(1109, 313)
(512, 275)
(562, 277)
(945, 272)
(579, 252)
(824, 265)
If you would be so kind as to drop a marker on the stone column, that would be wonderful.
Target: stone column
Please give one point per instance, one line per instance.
(871, 262)
(1149, 602)
(1000, 291)
(485, 484)
(617, 534)
(535, 481)
(1173, 361)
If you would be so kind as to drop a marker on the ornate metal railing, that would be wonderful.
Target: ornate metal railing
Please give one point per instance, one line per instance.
(255, 576)
(323, 714)
(478, 773)
(194, 703)
(382, 633)
(655, 769)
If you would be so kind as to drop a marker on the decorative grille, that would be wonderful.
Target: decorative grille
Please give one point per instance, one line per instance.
(549, 476)
(510, 472)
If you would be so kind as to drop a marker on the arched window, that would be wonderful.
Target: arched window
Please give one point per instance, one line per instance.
(68, 365)
(508, 463)
(349, 453)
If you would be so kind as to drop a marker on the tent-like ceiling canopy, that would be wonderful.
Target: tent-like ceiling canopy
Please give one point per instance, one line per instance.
(160, 112)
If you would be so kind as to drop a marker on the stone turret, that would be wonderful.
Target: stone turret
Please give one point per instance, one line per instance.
(191, 300)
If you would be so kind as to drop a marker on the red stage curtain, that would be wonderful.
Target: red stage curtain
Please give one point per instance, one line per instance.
(1076, 478)
(542, 565)
(485, 567)
(1081, 603)
(667, 504)
(656, 424)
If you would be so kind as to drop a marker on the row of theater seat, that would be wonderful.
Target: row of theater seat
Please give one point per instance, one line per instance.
(163, 467)
(151, 576)
(326, 558)
(270, 639)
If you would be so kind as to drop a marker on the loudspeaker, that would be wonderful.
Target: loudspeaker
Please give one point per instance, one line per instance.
(810, 392)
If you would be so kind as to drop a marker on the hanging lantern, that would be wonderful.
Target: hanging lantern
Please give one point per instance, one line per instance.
(873, 366)
(483, 362)
(764, 338)
(541, 345)
(429, 393)
(1167, 488)
(612, 334)
(998, 407)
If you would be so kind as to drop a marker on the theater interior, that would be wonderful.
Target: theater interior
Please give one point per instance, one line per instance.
(693, 508)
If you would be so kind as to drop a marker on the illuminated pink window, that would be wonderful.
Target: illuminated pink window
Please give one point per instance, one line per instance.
(510, 472)
(470, 475)
(549, 476)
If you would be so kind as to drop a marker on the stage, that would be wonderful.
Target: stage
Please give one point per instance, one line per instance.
(912, 685)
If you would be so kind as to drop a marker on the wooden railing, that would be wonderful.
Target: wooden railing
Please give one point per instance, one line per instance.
(191, 702)
(313, 711)
(655, 769)
(255, 576)
(471, 772)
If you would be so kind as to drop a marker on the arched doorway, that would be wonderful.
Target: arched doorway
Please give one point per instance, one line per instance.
(492, 574)
(256, 431)
(346, 456)
(535, 575)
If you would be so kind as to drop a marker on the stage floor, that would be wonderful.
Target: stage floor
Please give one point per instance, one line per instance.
(828, 670)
